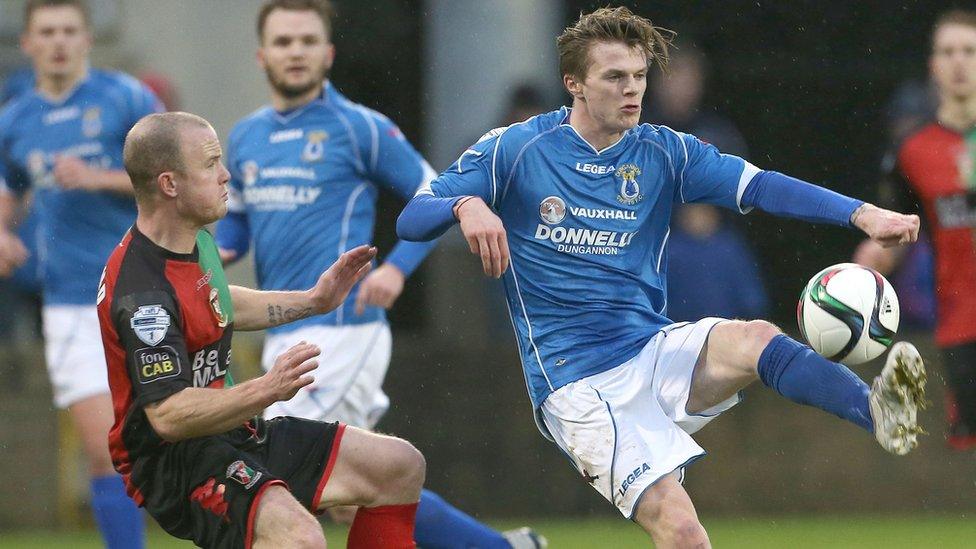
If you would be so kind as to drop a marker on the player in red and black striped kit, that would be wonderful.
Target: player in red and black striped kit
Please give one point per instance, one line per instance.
(932, 172)
(192, 450)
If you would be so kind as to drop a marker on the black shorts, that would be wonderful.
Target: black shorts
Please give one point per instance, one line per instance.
(207, 489)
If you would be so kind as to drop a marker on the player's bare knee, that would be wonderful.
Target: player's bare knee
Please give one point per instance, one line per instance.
(688, 532)
(407, 474)
(758, 334)
(304, 531)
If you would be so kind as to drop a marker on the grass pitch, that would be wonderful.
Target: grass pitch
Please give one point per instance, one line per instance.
(793, 532)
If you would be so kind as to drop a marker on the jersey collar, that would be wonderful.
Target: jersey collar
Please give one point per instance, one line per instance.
(287, 116)
(143, 240)
(580, 140)
(67, 95)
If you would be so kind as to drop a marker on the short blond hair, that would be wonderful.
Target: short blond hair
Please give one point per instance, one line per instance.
(611, 25)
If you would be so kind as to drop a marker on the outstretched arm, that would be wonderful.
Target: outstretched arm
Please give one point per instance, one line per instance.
(197, 411)
(787, 196)
(257, 310)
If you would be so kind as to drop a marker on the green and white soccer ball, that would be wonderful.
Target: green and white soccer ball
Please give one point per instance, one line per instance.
(848, 313)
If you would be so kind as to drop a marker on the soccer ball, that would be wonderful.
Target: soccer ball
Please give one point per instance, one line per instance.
(848, 313)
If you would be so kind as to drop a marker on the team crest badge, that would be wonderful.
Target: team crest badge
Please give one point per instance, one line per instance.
(91, 122)
(314, 146)
(630, 192)
(240, 472)
(249, 172)
(215, 307)
(150, 323)
(552, 210)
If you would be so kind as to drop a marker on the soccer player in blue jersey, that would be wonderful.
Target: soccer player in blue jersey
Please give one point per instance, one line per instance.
(573, 208)
(306, 172)
(63, 142)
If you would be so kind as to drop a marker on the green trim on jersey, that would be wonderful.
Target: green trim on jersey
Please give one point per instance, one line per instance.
(967, 166)
(209, 261)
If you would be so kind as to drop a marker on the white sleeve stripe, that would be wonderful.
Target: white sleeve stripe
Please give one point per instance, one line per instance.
(426, 178)
(375, 140)
(352, 137)
(494, 181)
(748, 173)
(681, 175)
(660, 254)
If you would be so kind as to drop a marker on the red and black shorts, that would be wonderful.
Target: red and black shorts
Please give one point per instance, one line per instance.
(207, 489)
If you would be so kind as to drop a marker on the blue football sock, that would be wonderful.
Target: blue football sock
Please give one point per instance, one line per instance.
(801, 375)
(119, 519)
(441, 526)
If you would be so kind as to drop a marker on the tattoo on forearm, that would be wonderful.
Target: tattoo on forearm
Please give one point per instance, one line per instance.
(278, 315)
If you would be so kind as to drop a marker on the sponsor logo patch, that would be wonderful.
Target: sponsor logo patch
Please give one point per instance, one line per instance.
(552, 210)
(150, 323)
(240, 472)
(155, 363)
(249, 171)
(633, 476)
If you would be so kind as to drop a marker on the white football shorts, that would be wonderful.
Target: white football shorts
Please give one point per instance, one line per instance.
(348, 383)
(74, 353)
(626, 428)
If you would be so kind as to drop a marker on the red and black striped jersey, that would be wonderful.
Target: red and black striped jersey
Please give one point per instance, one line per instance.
(166, 322)
(930, 174)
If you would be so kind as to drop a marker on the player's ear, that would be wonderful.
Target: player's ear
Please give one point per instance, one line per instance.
(166, 182)
(330, 53)
(261, 59)
(573, 86)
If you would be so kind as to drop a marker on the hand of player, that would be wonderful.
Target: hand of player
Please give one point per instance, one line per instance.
(886, 227)
(334, 284)
(380, 288)
(289, 373)
(72, 172)
(485, 235)
(226, 256)
(13, 253)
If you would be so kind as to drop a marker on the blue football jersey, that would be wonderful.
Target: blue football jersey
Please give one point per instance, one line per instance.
(17, 82)
(307, 181)
(587, 231)
(77, 229)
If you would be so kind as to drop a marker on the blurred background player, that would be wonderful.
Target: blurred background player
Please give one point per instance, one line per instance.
(306, 172)
(712, 270)
(191, 449)
(932, 172)
(62, 141)
(617, 385)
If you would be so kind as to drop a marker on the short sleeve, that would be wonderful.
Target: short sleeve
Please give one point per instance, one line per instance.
(481, 170)
(148, 326)
(706, 175)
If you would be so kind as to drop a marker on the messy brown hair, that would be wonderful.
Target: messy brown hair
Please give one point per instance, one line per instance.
(611, 25)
